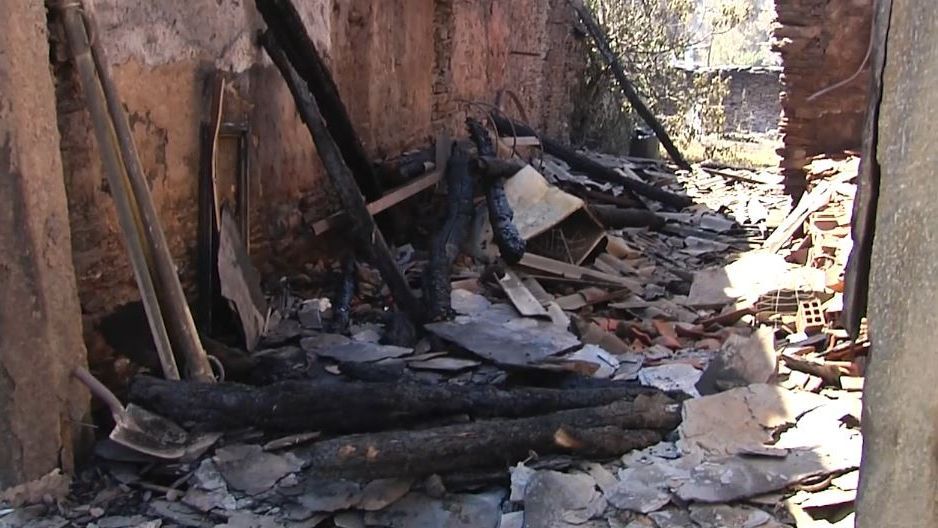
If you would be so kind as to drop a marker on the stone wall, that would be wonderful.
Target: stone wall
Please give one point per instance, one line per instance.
(822, 42)
(42, 408)
(525, 46)
(404, 68)
(752, 102)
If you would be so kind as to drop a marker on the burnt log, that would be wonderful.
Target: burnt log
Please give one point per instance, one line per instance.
(448, 240)
(507, 237)
(619, 218)
(605, 431)
(369, 239)
(351, 407)
(593, 169)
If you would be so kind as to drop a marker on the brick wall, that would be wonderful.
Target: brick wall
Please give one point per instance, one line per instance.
(822, 42)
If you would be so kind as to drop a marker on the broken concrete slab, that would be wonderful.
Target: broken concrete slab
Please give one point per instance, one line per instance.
(726, 516)
(559, 500)
(755, 273)
(671, 377)
(671, 518)
(736, 478)
(417, 510)
(603, 364)
(250, 469)
(518, 344)
(742, 418)
(646, 487)
(741, 361)
(465, 302)
(345, 350)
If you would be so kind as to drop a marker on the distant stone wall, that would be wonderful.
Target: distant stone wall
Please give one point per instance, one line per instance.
(752, 104)
(822, 42)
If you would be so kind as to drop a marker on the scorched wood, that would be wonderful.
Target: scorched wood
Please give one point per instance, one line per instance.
(444, 248)
(605, 431)
(369, 237)
(591, 168)
(286, 26)
(351, 407)
(510, 244)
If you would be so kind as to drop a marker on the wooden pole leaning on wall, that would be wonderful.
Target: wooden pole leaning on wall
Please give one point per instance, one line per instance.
(628, 89)
(114, 170)
(285, 23)
(173, 306)
(368, 237)
(182, 330)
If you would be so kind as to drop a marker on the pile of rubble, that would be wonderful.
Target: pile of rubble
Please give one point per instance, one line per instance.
(739, 328)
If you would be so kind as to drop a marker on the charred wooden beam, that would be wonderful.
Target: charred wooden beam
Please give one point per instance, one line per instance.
(628, 89)
(507, 237)
(492, 167)
(341, 312)
(618, 217)
(368, 237)
(448, 240)
(592, 196)
(591, 168)
(605, 431)
(286, 26)
(352, 407)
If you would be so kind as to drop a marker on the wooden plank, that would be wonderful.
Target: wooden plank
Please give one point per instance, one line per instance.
(387, 201)
(570, 271)
(522, 298)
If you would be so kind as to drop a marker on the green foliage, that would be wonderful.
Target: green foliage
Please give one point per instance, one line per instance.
(649, 36)
(734, 32)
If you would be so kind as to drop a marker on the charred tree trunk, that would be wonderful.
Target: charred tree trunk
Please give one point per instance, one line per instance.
(368, 237)
(351, 407)
(449, 239)
(510, 244)
(591, 168)
(606, 431)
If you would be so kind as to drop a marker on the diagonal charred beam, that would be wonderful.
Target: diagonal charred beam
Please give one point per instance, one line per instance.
(591, 168)
(286, 25)
(368, 237)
